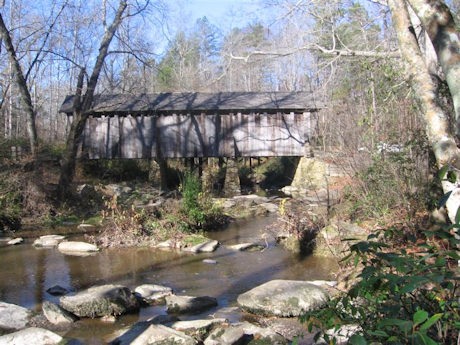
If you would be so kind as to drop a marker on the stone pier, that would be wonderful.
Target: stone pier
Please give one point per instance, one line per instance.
(232, 185)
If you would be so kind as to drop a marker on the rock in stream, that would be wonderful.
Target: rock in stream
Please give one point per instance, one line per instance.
(285, 298)
(100, 301)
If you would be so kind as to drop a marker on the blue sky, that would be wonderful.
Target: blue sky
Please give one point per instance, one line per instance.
(223, 13)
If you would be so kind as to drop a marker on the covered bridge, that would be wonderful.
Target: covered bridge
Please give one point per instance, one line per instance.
(179, 125)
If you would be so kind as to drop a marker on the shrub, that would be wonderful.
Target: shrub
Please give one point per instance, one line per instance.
(393, 181)
(197, 206)
(403, 295)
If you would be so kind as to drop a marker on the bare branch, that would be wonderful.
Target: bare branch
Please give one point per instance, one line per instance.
(45, 39)
(316, 47)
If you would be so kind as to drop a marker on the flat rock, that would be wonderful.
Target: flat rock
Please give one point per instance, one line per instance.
(99, 301)
(252, 197)
(86, 226)
(48, 241)
(126, 335)
(56, 315)
(206, 247)
(32, 335)
(232, 314)
(13, 316)
(242, 247)
(272, 208)
(226, 336)
(74, 246)
(14, 241)
(156, 334)
(285, 298)
(210, 262)
(262, 335)
(189, 304)
(197, 328)
(151, 293)
(57, 290)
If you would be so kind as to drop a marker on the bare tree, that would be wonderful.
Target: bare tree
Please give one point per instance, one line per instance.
(83, 103)
(22, 86)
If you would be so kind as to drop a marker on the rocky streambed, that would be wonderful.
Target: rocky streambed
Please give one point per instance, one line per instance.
(153, 296)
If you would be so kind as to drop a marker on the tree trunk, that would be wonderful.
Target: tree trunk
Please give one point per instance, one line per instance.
(83, 105)
(440, 26)
(437, 125)
(22, 86)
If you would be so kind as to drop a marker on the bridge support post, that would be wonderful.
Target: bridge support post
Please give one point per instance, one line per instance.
(157, 172)
(232, 185)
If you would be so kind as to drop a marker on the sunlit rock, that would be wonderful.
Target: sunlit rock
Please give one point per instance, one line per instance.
(284, 298)
(56, 315)
(76, 247)
(14, 241)
(206, 247)
(13, 316)
(48, 241)
(151, 293)
(32, 335)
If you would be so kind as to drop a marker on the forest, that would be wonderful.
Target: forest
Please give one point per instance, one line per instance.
(387, 76)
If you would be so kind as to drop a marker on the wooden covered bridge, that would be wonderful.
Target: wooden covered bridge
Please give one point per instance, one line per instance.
(180, 125)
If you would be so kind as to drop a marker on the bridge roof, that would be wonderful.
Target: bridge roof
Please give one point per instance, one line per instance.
(198, 102)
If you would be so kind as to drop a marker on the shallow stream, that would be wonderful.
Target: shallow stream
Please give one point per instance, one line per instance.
(27, 272)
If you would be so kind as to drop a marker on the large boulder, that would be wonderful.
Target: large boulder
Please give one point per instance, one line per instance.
(32, 335)
(100, 301)
(189, 304)
(13, 316)
(285, 298)
(311, 173)
(56, 315)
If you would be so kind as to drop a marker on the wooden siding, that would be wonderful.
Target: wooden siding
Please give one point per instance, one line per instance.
(197, 135)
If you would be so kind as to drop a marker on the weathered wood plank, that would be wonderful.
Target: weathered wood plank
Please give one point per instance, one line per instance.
(200, 135)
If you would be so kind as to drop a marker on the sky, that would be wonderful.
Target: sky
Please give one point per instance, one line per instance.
(225, 14)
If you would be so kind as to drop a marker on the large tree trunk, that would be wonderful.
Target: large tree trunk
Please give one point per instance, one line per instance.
(22, 86)
(437, 125)
(83, 105)
(440, 26)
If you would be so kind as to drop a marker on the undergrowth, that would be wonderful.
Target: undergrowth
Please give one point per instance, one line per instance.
(179, 221)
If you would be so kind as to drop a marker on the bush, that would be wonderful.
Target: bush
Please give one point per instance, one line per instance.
(402, 296)
(393, 181)
(197, 206)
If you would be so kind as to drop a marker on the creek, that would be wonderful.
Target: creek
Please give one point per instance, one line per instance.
(27, 272)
